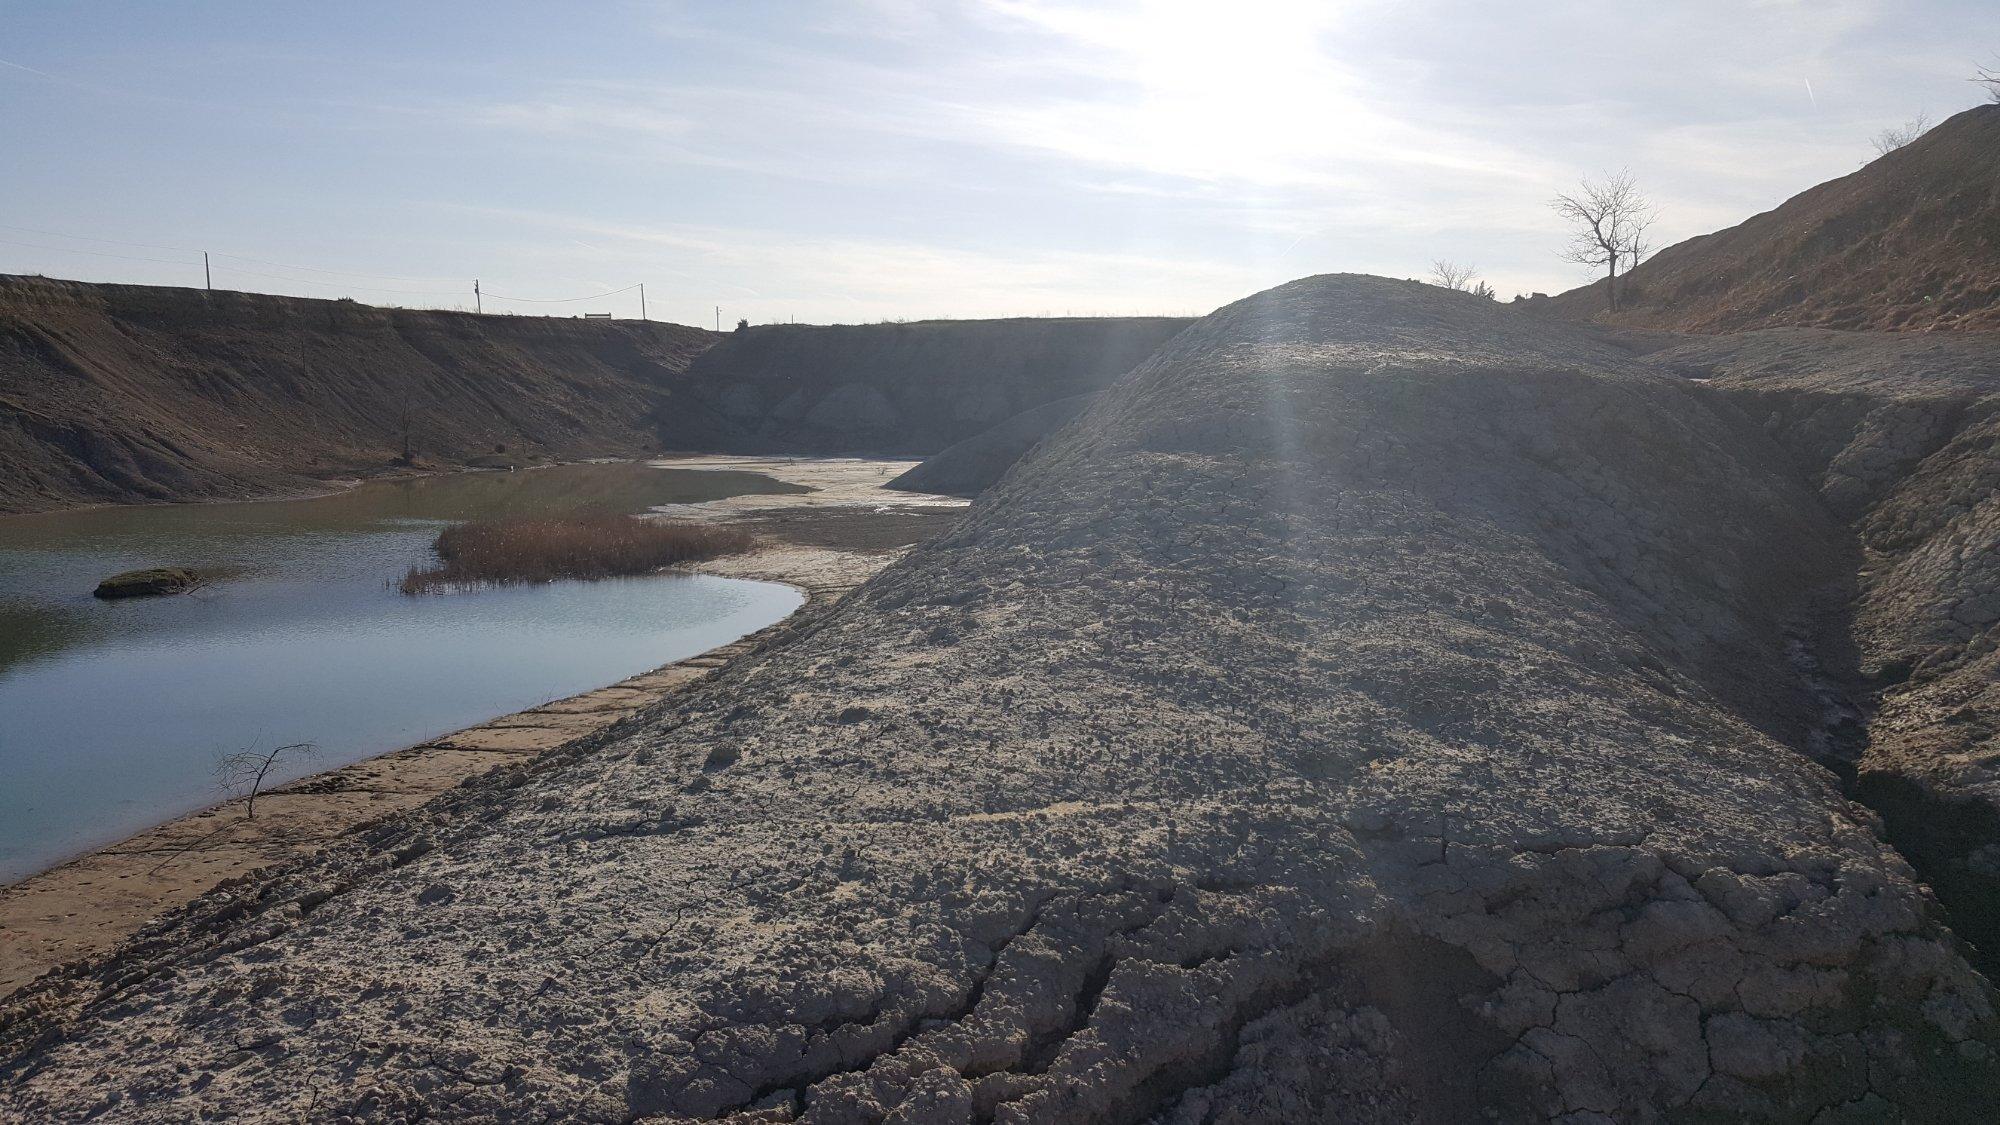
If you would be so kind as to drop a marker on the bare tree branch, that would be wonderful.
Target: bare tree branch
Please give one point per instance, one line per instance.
(1989, 77)
(1610, 220)
(244, 773)
(1463, 279)
(1451, 275)
(1891, 139)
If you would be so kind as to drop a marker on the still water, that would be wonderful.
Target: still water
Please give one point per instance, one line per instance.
(113, 715)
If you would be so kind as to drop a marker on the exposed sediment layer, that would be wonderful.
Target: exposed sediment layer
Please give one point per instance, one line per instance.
(1375, 708)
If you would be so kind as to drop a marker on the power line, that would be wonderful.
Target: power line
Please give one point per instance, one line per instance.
(564, 300)
(96, 253)
(343, 284)
(205, 255)
(106, 241)
(335, 273)
(192, 250)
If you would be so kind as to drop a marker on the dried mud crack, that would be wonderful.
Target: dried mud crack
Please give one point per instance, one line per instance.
(1376, 707)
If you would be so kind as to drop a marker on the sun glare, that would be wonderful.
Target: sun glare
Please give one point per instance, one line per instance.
(1245, 92)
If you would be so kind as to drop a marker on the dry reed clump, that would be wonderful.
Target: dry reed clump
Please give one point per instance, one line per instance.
(505, 552)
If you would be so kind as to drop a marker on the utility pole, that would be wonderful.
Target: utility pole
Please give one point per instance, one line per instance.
(208, 279)
(477, 305)
(642, 300)
(718, 318)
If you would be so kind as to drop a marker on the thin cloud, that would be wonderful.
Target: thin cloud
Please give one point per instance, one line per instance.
(892, 278)
(978, 157)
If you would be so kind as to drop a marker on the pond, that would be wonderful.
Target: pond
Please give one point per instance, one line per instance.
(114, 715)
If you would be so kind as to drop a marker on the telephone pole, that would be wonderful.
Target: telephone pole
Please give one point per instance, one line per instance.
(207, 278)
(477, 305)
(718, 318)
(642, 300)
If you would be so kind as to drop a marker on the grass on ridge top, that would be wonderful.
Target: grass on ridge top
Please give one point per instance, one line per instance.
(544, 549)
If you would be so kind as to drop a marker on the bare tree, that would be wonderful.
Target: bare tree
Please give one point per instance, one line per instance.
(1462, 279)
(243, 774)
(1610, 221)
(1891, 139)
(1451, 275)
(1989, 77)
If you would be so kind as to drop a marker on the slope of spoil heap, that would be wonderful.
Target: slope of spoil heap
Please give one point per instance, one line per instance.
(895, 387)
(972, 466)
(1902, 436)
(1910, 241)
(1373, 709)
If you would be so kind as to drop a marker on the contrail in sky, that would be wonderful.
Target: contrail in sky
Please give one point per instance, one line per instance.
(1814, 98)
(29, 69)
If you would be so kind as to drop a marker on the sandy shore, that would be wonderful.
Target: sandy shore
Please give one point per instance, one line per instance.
(825, 542)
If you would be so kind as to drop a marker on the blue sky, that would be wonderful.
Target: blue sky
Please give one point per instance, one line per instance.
(895, 158)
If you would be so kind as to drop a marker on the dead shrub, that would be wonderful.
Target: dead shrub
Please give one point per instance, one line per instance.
(511, 551)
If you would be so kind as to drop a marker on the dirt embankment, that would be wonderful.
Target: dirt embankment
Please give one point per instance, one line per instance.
(970, 467)
(1901, 437)
(125, 393)
(1911, 241)
(1375, 708)
(897, 388)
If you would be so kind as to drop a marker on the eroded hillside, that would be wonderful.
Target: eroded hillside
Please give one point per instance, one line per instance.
(1901, 437)
(126, 393)
(122, 394)
(1376, 707)
(1911, 241)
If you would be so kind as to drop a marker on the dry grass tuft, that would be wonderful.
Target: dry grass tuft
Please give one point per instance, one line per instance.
(506, 552)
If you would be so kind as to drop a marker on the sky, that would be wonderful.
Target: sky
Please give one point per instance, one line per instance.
(903, 159)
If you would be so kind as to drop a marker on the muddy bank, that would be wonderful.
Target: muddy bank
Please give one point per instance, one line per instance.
(825, 547)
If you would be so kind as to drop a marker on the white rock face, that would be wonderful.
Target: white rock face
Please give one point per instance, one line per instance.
(1375, 708)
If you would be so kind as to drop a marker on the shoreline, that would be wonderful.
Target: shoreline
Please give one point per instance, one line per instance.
(823, 543)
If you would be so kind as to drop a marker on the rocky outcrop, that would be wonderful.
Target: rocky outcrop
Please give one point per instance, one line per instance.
(896, 388)
(1376, 708)
(1901, 435)
(128, 393)
(976, 464)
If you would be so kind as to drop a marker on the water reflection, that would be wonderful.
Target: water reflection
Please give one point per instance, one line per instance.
(112, 713)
